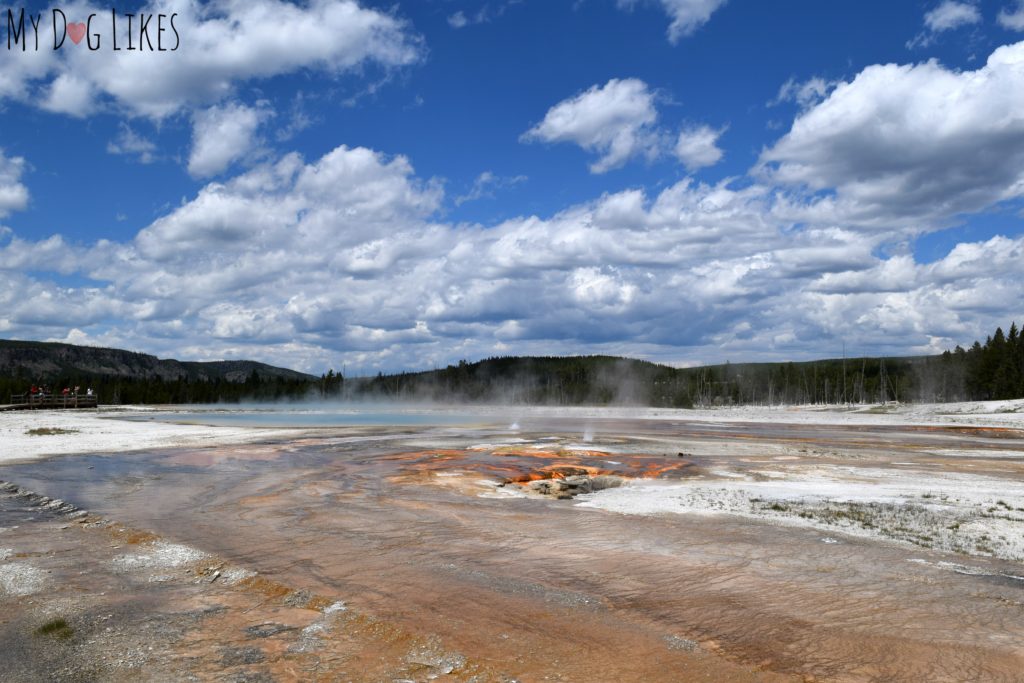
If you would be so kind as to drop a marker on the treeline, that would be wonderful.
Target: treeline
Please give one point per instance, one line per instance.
(577, 380)
(156, 390)
(605, 380)
(985, 372)
(117, 376)
(990, 370)
(834, 381)
(574, 380)
(993, 370)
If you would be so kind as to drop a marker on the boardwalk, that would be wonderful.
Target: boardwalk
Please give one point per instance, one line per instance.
(50, 402)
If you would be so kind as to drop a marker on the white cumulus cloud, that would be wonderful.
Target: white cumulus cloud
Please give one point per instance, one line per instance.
(306, 263)
(347, 258)
(222, 43)
(616, 120)
(13, 194)
(913, 142)
(221, 135)
(697, 147)
(619, 122)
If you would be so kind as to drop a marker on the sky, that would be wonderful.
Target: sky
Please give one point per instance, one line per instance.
(379, 186)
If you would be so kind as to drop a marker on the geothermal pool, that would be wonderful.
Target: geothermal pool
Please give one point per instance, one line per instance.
(450, 545)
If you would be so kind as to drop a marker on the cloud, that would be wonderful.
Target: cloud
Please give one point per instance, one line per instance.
(947, 16)
(486, 184)
(955, 300)
(687, 15)
(805, 93)
(344, 198)
(619, 121)
(52, 254)
(223, 43)
(300, 260)
(911, 143)
(1012, 19)
(298, 119)
(347, 258)
(13, 194)
(341, 259)
(69, 94)
(487, 13)
(696, 147)
(130, 143)
(221, 135)
(950, 15)
(616, 120)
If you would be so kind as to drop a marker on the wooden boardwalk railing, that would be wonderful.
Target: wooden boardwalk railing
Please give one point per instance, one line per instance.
(51, 401)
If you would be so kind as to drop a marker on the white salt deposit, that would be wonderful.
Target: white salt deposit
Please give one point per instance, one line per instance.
(235, 575)
(20, 578)
(102, 432)
(335, 607)
(948, 511)
(159, 555)
(977, 413)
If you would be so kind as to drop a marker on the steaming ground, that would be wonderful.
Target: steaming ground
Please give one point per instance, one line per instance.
(903, 502)
(126, 428)
(745, 544)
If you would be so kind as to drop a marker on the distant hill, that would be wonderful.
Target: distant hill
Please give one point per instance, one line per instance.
(559, 380)
(48, 361)
(993, 370)
(603, 380)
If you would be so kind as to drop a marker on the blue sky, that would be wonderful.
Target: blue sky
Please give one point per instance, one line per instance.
(390, 185)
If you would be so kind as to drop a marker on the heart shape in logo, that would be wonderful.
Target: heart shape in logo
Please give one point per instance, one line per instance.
(76, 32)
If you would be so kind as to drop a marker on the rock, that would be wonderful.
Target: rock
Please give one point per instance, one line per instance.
(578, 484)
(550, 487)
(574, 485)
(606, 481)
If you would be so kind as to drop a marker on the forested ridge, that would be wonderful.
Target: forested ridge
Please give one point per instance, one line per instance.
(118, 376)
(993, 369)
